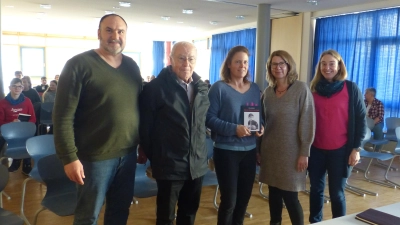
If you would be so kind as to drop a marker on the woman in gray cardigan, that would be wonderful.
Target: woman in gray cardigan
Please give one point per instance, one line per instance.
(288, 112)
(50, 94)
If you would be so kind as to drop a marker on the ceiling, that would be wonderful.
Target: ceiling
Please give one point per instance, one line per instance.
(81, 17)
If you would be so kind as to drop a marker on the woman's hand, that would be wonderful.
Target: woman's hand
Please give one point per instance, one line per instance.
(260, 133)
(354, 157)
(242, 131)
(302, 163)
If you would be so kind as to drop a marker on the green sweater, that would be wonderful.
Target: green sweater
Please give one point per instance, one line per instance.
(96, 115)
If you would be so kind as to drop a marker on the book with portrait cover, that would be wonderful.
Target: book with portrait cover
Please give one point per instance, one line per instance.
(24, 117)
(372, 216)
(251, 117)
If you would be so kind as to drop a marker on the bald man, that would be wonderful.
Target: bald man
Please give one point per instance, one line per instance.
(173, 110)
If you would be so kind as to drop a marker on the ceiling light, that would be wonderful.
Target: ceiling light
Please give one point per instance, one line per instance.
(9, 6)
(108, 12)
(213, 22)
(165, 17)
(125, 4)
(240, 17)
(45, 6)
(187, 11)
(116, 7)
(179, 22)
(312, 2)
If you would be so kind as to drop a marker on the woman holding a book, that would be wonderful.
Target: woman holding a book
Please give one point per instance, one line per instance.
(235, 143)
(14, 104)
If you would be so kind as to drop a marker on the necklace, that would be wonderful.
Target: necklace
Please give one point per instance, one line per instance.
(281, 92)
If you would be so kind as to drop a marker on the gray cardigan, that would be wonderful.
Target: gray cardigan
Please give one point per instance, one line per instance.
(49, 96)
(289, 133)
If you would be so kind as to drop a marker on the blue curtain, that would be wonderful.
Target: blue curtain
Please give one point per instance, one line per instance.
(158, 57)
(222, 43)
(370, 46)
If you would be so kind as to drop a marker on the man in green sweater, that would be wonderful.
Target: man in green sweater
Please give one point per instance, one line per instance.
(96, 122)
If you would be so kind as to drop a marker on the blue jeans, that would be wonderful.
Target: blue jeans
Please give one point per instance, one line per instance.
(378, 134)
(111, 180)
(235, 173)
(333, 162)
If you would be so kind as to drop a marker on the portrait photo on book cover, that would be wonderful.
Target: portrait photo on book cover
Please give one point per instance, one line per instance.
(252, 120)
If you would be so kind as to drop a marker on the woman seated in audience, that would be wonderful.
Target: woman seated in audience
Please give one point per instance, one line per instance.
(288, 112)
(340, 128)
(50, 94)
(235, 144)
(10, 108)
(28, 91)
(376, 112)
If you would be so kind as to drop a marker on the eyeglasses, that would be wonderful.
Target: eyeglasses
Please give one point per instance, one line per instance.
(183, 59)
(281, 65)
(17, 87)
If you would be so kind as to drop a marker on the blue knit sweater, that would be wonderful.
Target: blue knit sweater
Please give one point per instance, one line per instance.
(225, 114)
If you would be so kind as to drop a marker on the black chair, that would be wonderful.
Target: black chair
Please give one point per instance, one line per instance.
(46, 111)
(61, 194)
(7, 217)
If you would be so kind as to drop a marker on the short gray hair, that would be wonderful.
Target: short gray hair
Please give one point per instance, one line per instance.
(371, 90)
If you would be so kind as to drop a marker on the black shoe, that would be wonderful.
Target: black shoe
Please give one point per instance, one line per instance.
(26, 169)
(14, 165)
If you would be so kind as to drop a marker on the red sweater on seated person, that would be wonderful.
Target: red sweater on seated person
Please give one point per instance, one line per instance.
(9, 112)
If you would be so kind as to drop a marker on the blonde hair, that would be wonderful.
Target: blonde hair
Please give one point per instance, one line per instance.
(292, 74)
(48, 89)
(225, 73)
(342, 72)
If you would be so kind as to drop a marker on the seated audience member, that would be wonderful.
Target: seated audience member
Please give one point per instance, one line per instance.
(56, 77)
(375, 111)
(43, 87)
(208, 83)
(10, 107)
(30, 93)
(152, 77)
(18, 74)
(50, 94)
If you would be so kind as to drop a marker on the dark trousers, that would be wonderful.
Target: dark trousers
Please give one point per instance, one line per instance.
(235, 173)
(186, 192)
(333, 162)
(292, 203)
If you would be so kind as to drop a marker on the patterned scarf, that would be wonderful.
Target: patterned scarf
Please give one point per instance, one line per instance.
(327, 89)
(12, 101)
